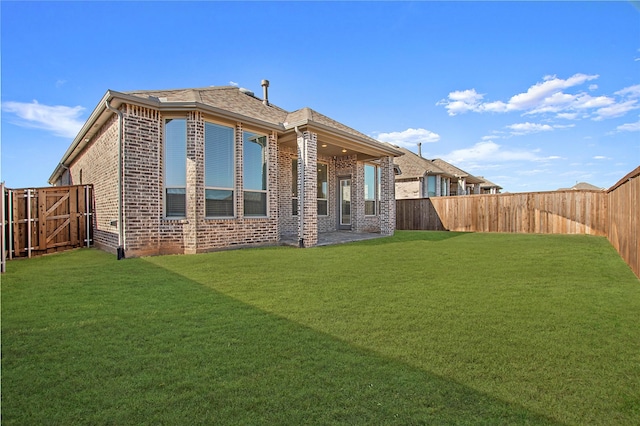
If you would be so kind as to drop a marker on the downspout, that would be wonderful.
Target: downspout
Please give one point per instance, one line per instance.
(121, 243)
(301, 171)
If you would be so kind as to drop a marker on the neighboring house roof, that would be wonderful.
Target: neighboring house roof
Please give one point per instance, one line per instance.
(486, 183)
(235, 104)
(414, 166)
(456, 172)
(582, 186)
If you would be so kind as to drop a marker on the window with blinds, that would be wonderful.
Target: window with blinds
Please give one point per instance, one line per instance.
(371, 189)
(175, 167)
(219, 164)
(323, 189)
(255, 174)
(294, 186)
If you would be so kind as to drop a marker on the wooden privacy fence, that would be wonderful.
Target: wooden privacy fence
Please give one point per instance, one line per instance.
(37, 221)
(624, 218)
(563, 212)
(614, 214)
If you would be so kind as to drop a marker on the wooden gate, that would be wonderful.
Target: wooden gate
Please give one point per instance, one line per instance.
(45, 220)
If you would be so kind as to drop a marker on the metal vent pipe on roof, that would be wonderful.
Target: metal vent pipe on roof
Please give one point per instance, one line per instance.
(420, 149)
(265, 92)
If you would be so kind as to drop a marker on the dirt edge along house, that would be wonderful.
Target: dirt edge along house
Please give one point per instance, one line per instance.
(194, 170)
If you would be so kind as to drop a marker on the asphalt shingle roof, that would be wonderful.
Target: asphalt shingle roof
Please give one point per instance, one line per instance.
(244, 102)
(454, 171)
(486, 183)
(413, 166)
(229, 98)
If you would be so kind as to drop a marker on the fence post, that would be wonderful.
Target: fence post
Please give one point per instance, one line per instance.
(42, 220)
(3, 261)
(28, 195)
(10, 220)
(87, 214)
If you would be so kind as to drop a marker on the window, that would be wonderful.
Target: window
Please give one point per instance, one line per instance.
(444, 187)
(323, 189)
(175, 167)
(255, 174)
(371, 189)
(218, 170)
(294, 186)
(431, 186)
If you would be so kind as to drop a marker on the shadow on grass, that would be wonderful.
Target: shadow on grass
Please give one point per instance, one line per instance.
(150, 346)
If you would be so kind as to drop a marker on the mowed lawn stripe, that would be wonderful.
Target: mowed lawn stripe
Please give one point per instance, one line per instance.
(419, 327)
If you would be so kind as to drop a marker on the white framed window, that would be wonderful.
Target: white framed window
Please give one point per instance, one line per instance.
(372, 185)
(175, 168)
(255, 174)
(294, 186)
(323, 189)
(219, 170)
(431, 186)
(444, 187)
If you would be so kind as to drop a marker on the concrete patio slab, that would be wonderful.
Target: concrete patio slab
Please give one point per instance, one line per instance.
(330, 238)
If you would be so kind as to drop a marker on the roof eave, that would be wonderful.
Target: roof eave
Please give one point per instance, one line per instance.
(98, 116)
(376, 146)
(80, 137)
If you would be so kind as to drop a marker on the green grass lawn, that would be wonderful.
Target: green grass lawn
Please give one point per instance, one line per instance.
(419, 328)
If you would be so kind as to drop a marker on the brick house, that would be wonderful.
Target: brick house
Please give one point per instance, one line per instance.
(424, 178)
(194, 170)
(420, 177)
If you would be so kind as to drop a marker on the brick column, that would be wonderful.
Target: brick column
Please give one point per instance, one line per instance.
(239, 180)
(387, 195)
(357, 198)
(195, 180)
(308, 187)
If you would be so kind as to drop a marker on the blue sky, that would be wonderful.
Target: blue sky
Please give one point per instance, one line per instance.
(532, 95)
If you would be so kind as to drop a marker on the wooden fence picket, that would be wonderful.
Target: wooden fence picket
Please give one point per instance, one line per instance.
(46, 220)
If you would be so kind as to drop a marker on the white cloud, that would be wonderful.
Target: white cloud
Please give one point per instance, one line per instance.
(568, 115)
(409, 138)
(585, 101)
(601, 157)
(491, 152)
(526, 128)
(531, 172)
(61, 120)
(549, 96)
(541, 91)
(520, 129)
(616, 110)
(462, 101)
(233, 83)
(630, 92)
(554, 103)
(629, 127)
